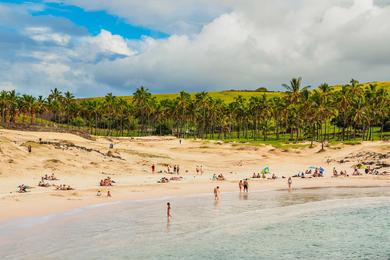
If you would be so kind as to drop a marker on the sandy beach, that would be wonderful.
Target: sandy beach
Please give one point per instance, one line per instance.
(82, 163)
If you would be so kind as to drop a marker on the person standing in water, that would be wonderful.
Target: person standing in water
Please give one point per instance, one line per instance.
(240, 185)
(169, 211)
(289, 183)
(217, 193)
(246, 186)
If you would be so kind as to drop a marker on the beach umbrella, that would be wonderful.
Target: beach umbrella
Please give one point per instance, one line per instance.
(265, 170)
(312, 167)
(322, 170)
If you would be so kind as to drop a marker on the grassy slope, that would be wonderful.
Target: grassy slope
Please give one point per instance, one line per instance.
(228, 96)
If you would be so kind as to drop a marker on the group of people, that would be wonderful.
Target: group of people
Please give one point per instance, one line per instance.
(337, 174)
(220, 177)
(243, 185)
(163, 180)
(257, 176)
(43, 183)
(199, 169)
(173, 170)
(106, 182)
(52, 177)
(309, 173)
(99, 193)
(63, 187)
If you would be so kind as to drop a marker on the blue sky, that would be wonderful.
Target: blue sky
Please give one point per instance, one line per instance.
(93, 21)
(95, 47)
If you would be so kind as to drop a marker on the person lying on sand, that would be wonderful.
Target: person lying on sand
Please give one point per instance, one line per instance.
(175, 178)
(64, 187)
(23, 188)
(107, 182)
(163, 180)
(220, 177)
(43, 184)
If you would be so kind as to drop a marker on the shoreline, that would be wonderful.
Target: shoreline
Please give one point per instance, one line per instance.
(25, 209)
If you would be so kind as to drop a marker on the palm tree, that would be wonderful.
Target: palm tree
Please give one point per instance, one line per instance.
(4, 103)
(142, 102)
(69, 105)
(201, 105)
(109, 105)
(182, 108)
(55, 103)
(29, 106)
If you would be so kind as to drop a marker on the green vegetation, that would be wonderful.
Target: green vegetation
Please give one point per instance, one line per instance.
(349, 113)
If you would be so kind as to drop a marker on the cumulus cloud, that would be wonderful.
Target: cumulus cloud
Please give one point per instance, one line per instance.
(265, 43)
(239, 44)
(107, 42)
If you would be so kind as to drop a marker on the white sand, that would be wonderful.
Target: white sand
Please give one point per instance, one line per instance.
(83, 170)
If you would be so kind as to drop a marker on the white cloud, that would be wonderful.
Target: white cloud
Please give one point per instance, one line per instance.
(45, 34)
(264, 43)
(255, 43)
(107, 42)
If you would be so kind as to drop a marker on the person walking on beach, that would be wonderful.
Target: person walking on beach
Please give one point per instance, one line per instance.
(246, 186)
(169, 211)
(240, 185)
(289, 183)
(153, 168)
(217, 193)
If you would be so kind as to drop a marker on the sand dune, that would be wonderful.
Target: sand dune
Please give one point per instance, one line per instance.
(81, 163)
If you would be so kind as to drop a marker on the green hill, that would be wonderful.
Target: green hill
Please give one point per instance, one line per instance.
(229, 95)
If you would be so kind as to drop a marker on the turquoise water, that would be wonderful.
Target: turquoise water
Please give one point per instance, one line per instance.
(337, 223)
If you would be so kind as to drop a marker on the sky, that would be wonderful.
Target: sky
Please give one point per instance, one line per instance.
(94, 47)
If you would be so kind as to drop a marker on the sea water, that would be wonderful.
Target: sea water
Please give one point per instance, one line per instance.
(328, 223)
